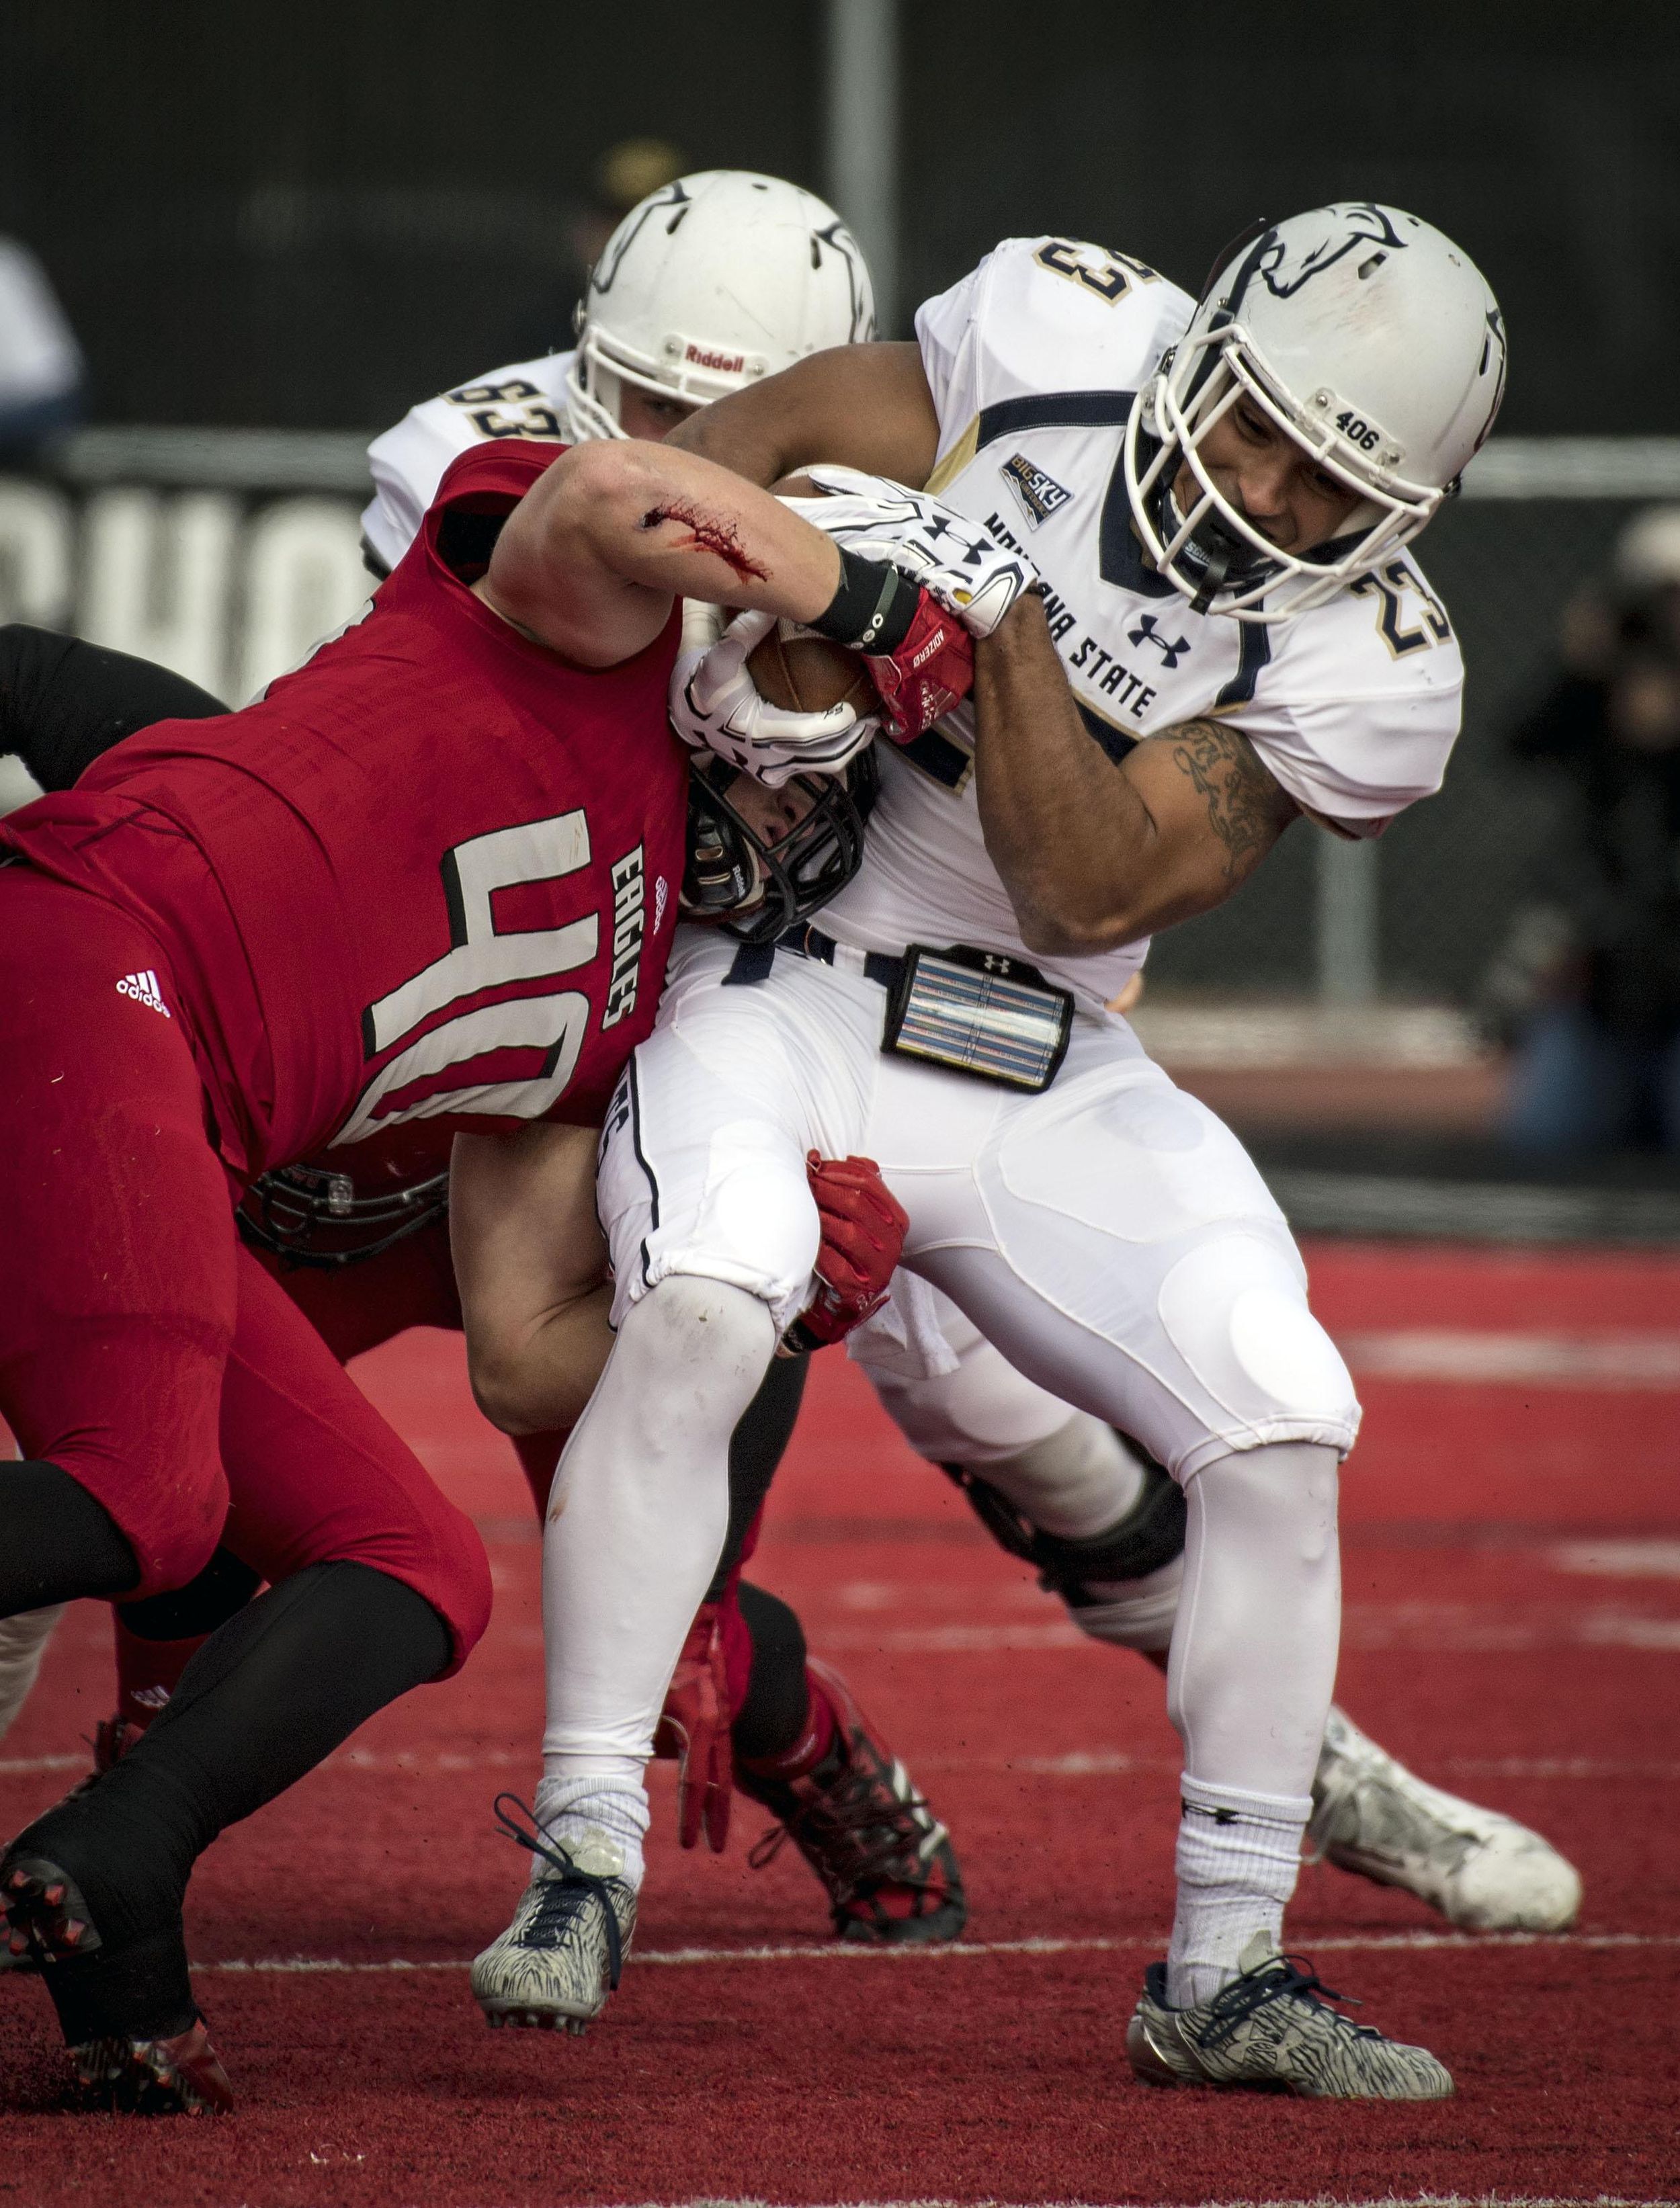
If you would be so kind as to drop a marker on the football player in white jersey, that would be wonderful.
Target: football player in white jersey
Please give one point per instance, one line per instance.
(710, 285)
(707, 286)
(1230, 634)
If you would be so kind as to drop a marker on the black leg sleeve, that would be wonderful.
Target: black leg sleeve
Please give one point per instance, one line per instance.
(63, 701)
(263, 1702)
(59, 1542)
(772, 1715)
(220, 1591)
(756, 1447)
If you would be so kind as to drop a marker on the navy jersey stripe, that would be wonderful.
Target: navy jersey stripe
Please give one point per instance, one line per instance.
(1052, 409)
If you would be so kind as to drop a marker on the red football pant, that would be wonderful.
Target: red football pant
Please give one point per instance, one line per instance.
(143, 1350)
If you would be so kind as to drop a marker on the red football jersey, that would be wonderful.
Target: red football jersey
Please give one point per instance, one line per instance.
(431, 874)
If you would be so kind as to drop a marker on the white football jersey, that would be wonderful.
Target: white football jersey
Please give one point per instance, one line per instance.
(1033, 362)
(525, 401)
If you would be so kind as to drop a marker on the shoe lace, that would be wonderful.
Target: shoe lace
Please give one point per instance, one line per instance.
(561, 1899)
(1281, 1977)
(859, 1833)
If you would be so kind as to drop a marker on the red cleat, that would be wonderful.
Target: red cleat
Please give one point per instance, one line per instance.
(181, 2076)
(886, 1862)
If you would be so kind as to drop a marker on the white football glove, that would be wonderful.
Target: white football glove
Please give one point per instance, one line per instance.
(716, 708)
(953, 559)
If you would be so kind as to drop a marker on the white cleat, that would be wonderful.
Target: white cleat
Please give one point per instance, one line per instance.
(1479, 1869)
(1270, 2028)
(554, 1967)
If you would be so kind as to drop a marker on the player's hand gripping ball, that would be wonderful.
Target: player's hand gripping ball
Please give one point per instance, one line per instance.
(717, 705)
(910, 688)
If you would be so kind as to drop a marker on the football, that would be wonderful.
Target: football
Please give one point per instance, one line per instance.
(808, 673)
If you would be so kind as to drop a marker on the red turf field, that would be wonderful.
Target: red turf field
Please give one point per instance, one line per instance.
(742, 2059)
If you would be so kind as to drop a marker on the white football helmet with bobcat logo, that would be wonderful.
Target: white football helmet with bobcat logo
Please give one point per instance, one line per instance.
(710, 282)
(1367, 336)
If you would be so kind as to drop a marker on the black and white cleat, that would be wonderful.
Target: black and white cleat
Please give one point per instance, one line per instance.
(556, 1965)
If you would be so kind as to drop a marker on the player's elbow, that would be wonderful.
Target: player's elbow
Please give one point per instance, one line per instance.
(1072, 928)
(597, 482)
(508, 1385)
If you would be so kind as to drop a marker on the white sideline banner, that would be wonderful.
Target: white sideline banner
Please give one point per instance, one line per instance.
(226, 582)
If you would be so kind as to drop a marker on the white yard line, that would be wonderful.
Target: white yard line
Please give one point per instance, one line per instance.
(1624, 1359)
(837, 1951)
(1316, 2200)
(1074, 1763)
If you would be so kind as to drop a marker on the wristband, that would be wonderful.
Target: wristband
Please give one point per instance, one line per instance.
(873, 609)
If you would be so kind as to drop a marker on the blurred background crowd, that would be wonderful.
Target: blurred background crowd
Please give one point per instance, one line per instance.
(235, 242)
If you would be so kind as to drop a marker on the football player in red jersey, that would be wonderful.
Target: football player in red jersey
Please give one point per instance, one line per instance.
(364, 1253)
(240, 941)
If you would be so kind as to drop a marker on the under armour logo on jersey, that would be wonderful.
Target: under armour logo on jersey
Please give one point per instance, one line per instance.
(143, 988)
(1171, 649)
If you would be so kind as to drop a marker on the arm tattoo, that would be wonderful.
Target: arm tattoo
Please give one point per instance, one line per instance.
(1246, 808)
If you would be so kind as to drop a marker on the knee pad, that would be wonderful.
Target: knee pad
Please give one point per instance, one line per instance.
(1234, 1307)
(1146, 1542)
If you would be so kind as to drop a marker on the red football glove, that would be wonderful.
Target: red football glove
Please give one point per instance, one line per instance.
(932, 670)
(693, 1728)
(863, 1233)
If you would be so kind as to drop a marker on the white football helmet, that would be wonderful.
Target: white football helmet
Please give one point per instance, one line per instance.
(709, 284)
(1368, 337)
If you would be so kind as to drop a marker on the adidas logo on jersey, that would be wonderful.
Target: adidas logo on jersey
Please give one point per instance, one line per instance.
(1036, 493)
(143, 988)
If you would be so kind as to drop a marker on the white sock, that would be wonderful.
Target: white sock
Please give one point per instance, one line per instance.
(570, 1810)
(1249, 1682)
(1077, 1482)
(1239, 1856)
(636, 1524)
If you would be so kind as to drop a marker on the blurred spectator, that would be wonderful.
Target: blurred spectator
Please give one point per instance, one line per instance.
(1598, 958)
(41, 367)
(626, 172)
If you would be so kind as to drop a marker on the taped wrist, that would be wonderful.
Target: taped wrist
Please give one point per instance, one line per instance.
(873, 609)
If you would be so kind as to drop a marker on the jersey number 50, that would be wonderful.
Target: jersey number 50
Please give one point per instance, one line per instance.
(554, 1022)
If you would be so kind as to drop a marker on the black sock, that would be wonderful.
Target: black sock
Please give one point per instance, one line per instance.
(269, 1695)
(59, 1542)
(756, 1447)
(220, 1591)
(773, 1712)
